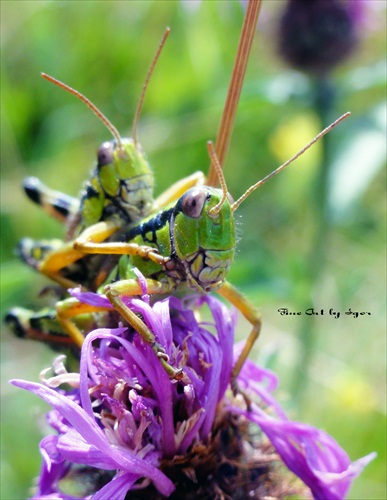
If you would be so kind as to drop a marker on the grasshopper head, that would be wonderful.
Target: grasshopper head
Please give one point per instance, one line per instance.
(120, 187)
(126, 178)
(204, 241)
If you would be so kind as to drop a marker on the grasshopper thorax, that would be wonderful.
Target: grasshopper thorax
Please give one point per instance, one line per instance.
(203, 242)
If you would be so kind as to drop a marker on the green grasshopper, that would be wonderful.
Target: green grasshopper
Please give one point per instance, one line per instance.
(187, 247)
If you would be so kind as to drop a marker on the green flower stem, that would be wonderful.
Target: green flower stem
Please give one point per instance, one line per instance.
(324, 100)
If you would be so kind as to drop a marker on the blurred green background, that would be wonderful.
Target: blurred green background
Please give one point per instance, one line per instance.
(104, 49)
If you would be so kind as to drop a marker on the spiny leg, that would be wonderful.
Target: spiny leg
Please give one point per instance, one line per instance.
(238, 300)
(130, 288)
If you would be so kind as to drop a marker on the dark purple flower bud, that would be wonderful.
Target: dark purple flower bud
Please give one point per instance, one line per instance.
(316, 35)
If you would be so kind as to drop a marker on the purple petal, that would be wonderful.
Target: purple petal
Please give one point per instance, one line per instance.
(143, 284)
(57, 495)
(117, 488)
(225, 326)
(95, 299)
(313, 455)
(212, 379)
(74, 448)
(91, 298)
(53, 467)
(71, 411)
(255, 378)
(89, 430)
(158, 320)
(156, 374)
(49, 451)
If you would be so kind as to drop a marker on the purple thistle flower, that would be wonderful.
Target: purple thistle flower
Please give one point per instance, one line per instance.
(125, 427)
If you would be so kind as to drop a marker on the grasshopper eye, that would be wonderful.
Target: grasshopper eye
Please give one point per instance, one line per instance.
(105, 154)
(192, 202)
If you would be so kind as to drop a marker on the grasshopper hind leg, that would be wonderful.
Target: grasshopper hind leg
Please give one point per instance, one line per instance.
(33, 252)
(36, 252)
(41, 325)
(55, 203)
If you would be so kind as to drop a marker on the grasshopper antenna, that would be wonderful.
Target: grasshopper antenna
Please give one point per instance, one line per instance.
(236, 204)
(145, 86)
(222, 181)
(89, 104)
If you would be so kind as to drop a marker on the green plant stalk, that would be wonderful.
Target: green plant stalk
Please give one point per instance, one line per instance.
(324, 103)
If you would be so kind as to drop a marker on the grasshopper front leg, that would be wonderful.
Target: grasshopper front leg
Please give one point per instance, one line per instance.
(72, 307)
(118, 248)
(91, 242)
(127, 287)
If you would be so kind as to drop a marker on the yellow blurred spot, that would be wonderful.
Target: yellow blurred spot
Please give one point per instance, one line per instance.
(354, 393)
(292, 135)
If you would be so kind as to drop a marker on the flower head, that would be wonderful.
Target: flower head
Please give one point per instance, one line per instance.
(316, 35)
(124, 426)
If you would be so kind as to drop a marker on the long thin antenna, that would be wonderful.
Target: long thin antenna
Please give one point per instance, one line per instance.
(236, 204)
(222, 181)
(89, 104)
(145, 86)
